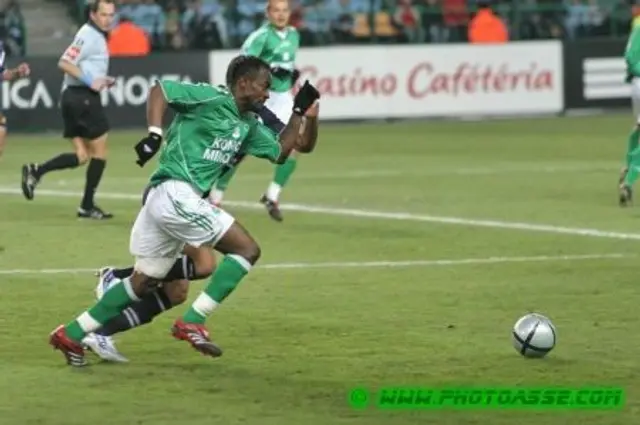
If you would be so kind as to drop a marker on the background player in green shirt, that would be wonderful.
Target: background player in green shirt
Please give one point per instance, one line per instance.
(631, 170)
(212, 125)
(277, 44)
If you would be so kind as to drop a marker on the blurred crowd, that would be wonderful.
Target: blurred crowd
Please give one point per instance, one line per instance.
(12, 28)
(222, 24)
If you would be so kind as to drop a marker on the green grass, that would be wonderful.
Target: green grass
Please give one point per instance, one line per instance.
(296, 340)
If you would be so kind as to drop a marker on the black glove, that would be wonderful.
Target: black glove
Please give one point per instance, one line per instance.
(294, 76)
(147, 148)
(305, 98)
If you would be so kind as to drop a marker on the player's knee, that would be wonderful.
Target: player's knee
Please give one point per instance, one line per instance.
(154, 268)
(177, 291)
(250, 251)
(83, 157)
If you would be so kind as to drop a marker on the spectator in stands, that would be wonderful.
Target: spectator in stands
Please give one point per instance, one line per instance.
(576, 18)
(128, 39)
(407, 18)
(14, 29)
(175, 39)
(149, 16)
(318, 17)
(456, 19)
(486, 27)
(204, 24)
(433, 22)
(343, 22)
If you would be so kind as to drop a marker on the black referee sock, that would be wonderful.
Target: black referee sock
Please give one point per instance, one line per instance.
(94, 175)
(137, 314)
(60, 162)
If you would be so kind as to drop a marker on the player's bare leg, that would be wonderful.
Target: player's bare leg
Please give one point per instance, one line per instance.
(169, 295)
(173, 292)
(3, 133)
(629, 174)
(241, 253)
(271, 198)
(33, 173)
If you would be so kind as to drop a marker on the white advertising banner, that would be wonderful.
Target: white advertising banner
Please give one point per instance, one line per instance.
(430, 80)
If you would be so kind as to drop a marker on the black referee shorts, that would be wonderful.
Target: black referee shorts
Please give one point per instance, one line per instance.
(83, 114)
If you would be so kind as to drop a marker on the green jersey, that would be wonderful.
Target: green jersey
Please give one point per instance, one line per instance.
(276, 47)
(206, 134)
(632, 54)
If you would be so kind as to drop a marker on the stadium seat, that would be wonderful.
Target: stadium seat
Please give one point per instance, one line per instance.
(384, 25)
(361, 27)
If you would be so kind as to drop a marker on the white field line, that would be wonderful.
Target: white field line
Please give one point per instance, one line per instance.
(360, 213)
(371, 264)
(375, 173)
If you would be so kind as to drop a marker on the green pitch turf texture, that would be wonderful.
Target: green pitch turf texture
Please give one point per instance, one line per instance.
(435, 308)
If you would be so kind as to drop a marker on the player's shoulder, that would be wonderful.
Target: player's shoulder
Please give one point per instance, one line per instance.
(85, 33)
(293, 31)
(259, 33)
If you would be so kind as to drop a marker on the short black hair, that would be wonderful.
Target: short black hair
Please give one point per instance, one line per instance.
(94, 5)
(244, 66)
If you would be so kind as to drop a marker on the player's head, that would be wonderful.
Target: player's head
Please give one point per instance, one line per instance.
(278, 13)
(102, 12)
(249, 79)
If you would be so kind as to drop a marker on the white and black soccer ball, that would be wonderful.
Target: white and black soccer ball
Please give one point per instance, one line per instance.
(534, 335)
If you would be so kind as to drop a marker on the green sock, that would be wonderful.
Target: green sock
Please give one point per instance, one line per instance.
(223, 282)
(632, 144)
(116, 299)
(634, 168)
(284, 171)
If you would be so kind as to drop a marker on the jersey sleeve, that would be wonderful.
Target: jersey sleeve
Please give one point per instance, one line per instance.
(254, 44)
(263, 143)
(188, 95)
(78, 48)
(632, 53)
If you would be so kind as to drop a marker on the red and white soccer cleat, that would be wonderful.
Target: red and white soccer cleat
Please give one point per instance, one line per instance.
(73, 351)
(196, 335)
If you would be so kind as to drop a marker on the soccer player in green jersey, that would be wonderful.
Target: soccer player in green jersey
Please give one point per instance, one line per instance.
(212, 125)
(276, 43)
(631, 170)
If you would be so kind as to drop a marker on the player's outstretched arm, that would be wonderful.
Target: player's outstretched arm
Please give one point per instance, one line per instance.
(156, 106)
(20, 72)
(304, 104)
(306, 142)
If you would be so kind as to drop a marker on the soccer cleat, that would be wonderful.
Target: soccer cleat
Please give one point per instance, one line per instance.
(30, 180)
(103, 347)
(272, 208)
(73, 351)
(106, 279)
(196, 335)
(94, 213)
(625, 195)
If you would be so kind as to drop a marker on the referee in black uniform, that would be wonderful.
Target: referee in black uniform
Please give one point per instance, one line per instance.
(85, 64)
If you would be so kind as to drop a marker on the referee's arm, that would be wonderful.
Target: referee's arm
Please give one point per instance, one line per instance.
(71, 58)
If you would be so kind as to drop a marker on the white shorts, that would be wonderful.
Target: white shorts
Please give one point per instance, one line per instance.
(635, 98)
(280, 104)
(173, 216)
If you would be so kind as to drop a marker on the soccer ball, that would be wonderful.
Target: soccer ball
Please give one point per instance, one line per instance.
(534, 335)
